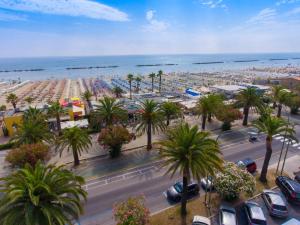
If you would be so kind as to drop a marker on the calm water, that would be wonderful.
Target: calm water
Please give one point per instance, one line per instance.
(56, 67)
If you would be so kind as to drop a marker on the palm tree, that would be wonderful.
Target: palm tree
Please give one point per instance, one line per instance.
(29, 99)
(45, 195)
(35, 115)
(118, 92)
(74, 139)
(275, 94)
(208, 106)
(151, 120)
(56, 110)
(138, 83)
(170, 109)
(13, 99)
(152, 76)
(271, 125)
(283, 98)
(192, 154)
(2, 107)
(159, 74)
(130, 79)
(110, 111)
(34, 128)
(248, 98)
(87, 95)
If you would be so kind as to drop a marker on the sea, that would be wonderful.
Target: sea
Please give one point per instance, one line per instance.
(117, 66)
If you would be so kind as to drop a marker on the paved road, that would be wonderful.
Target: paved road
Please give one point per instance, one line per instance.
(151, 182)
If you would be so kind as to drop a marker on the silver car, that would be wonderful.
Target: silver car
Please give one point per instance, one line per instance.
(227, 215)
(275, 203)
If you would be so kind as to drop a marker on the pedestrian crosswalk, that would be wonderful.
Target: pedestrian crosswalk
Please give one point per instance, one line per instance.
(281, 138)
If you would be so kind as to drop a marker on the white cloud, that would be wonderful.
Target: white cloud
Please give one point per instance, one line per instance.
(86, 8)
(282, 2)
(154, 25)
(214, 3)
(265, 16)
(294, 11)
(11, 17)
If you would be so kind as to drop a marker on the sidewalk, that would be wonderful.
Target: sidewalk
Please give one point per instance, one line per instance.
(292, 165)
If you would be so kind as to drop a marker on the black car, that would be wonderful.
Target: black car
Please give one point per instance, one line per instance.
(174, 192)
(290, 188)
(254, 213)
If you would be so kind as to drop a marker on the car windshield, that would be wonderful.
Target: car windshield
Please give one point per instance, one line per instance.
(178, 187)
(279, 207)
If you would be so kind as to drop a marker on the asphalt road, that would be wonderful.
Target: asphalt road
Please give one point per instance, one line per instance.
(151, 182)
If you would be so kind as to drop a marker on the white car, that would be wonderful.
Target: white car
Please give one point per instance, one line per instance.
(201, 220)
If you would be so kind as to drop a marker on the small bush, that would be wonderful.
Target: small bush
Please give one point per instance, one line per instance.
(132, 212)
(7, 145)
(113, 138)
(27, 153)
(233, 181)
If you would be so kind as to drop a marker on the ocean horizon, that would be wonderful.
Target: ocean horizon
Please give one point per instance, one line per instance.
(41, 68)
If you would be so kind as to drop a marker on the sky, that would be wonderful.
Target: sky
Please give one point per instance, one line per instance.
(33, 28)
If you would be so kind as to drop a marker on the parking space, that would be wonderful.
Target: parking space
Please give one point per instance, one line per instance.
(294, 212)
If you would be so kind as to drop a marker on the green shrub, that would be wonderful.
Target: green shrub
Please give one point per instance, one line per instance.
(27, 153)
(234, 180)
(7, 145)
(113, 138)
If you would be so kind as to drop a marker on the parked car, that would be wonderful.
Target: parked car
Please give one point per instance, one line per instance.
(290, 188)
(292, 221)
(254, 213)
(174, 192)
(227, 215)
(275, 203)
(297, 176)
(201, 220)
(247, 163)
(206, 183)
(253, 136)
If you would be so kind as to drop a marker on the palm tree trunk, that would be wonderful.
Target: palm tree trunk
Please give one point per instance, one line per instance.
(58, 123)
(203, 121)
(159, 84)
(149, 137)
(246, 114)
(152, 84)
(76, 158)
(130, 90)
(184, 193)
(14, 105)
(264, 171)
(279, 110)
(209, 118)
(168, 120)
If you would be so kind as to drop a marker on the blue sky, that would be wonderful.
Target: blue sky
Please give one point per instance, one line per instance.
(111, 27)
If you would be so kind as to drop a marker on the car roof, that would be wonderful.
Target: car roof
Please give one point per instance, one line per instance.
(247, 161)
(292, 221)
(294, 184)
(255, 211)
(201, 219)
(228, 217)
(275, 198)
